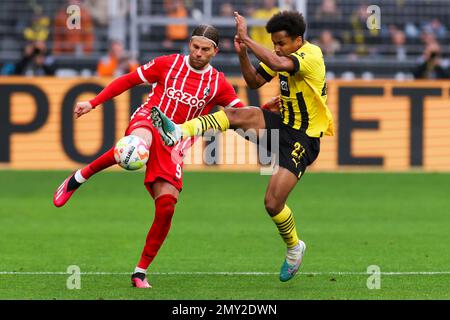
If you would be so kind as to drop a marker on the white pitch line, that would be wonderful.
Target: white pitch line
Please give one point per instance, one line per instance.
(332, 273)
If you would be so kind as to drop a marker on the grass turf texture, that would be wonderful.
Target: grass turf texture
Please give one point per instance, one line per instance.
(349, 221)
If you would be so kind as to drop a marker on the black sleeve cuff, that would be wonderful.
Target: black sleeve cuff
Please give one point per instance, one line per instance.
(296, 64)
(264, 73)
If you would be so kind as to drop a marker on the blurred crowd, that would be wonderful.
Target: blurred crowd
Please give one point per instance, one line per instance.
(340, 34)
(349, 37)
(71, 33)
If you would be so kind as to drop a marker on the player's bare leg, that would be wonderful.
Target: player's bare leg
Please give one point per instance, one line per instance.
(143, 133)
(245, 118)
(166, 196)
(278, 190)
(68, 187)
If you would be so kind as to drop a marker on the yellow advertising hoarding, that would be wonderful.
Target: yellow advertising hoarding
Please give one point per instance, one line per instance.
(381, 124)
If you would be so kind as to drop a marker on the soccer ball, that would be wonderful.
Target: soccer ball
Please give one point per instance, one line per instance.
(131, 152)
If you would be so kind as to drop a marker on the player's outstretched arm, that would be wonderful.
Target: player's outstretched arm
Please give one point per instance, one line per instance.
(115, 88)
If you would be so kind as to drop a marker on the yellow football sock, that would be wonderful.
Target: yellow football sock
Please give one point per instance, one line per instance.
(198, 126)
(286, 225)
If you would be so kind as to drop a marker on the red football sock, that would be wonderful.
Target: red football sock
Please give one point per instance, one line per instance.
(164, 209)
(104, 161)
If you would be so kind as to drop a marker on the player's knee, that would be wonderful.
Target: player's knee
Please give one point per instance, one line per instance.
(165, 206)
(163, 217)
(243, 117)
(143, 133)
(273, 206)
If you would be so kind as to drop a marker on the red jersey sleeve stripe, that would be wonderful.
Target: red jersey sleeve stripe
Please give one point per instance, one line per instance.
(235, 102)
(141, 75)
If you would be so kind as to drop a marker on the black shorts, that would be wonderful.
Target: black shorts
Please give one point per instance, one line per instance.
(295, 151)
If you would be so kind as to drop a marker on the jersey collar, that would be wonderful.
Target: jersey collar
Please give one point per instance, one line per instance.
(205, 69)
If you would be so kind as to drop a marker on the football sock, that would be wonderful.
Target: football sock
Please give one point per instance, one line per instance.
(198, 126)
(286, 226)
(104, 161)
(79, 177)
(164, 209)
(293, 254)
(140, 270)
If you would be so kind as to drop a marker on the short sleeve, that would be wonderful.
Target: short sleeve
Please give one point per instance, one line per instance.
(151, 71)
(227, 96)
(303, 63)
(266, 72)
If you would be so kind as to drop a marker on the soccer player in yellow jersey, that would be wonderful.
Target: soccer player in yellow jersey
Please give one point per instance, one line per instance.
(302, 120)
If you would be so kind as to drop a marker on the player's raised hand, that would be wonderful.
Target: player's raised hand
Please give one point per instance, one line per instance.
(241, 26)
(239, 46)
(82, 108)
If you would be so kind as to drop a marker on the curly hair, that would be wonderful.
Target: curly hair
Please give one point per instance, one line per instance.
(290, 21)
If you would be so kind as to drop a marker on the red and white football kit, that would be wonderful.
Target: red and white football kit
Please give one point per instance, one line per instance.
(182, 93)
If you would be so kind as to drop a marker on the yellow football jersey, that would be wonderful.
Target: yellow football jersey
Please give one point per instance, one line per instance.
(304, 92)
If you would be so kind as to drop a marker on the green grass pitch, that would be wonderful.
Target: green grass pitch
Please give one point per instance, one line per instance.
(349, 221)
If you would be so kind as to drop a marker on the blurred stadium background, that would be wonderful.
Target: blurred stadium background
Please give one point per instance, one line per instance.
(388, 90)
(146, 29)
(60, 64)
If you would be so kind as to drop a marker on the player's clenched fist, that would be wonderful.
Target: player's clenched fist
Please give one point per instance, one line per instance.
(82, 108)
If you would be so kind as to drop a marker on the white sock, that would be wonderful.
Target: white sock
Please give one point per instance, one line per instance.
(293, 254)
(140, 270)
(79, 177)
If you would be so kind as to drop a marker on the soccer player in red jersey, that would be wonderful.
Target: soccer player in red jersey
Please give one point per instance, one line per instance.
(184, 87)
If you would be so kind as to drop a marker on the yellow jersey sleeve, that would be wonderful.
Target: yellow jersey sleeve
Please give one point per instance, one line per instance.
(266, 72)
(304, 63)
